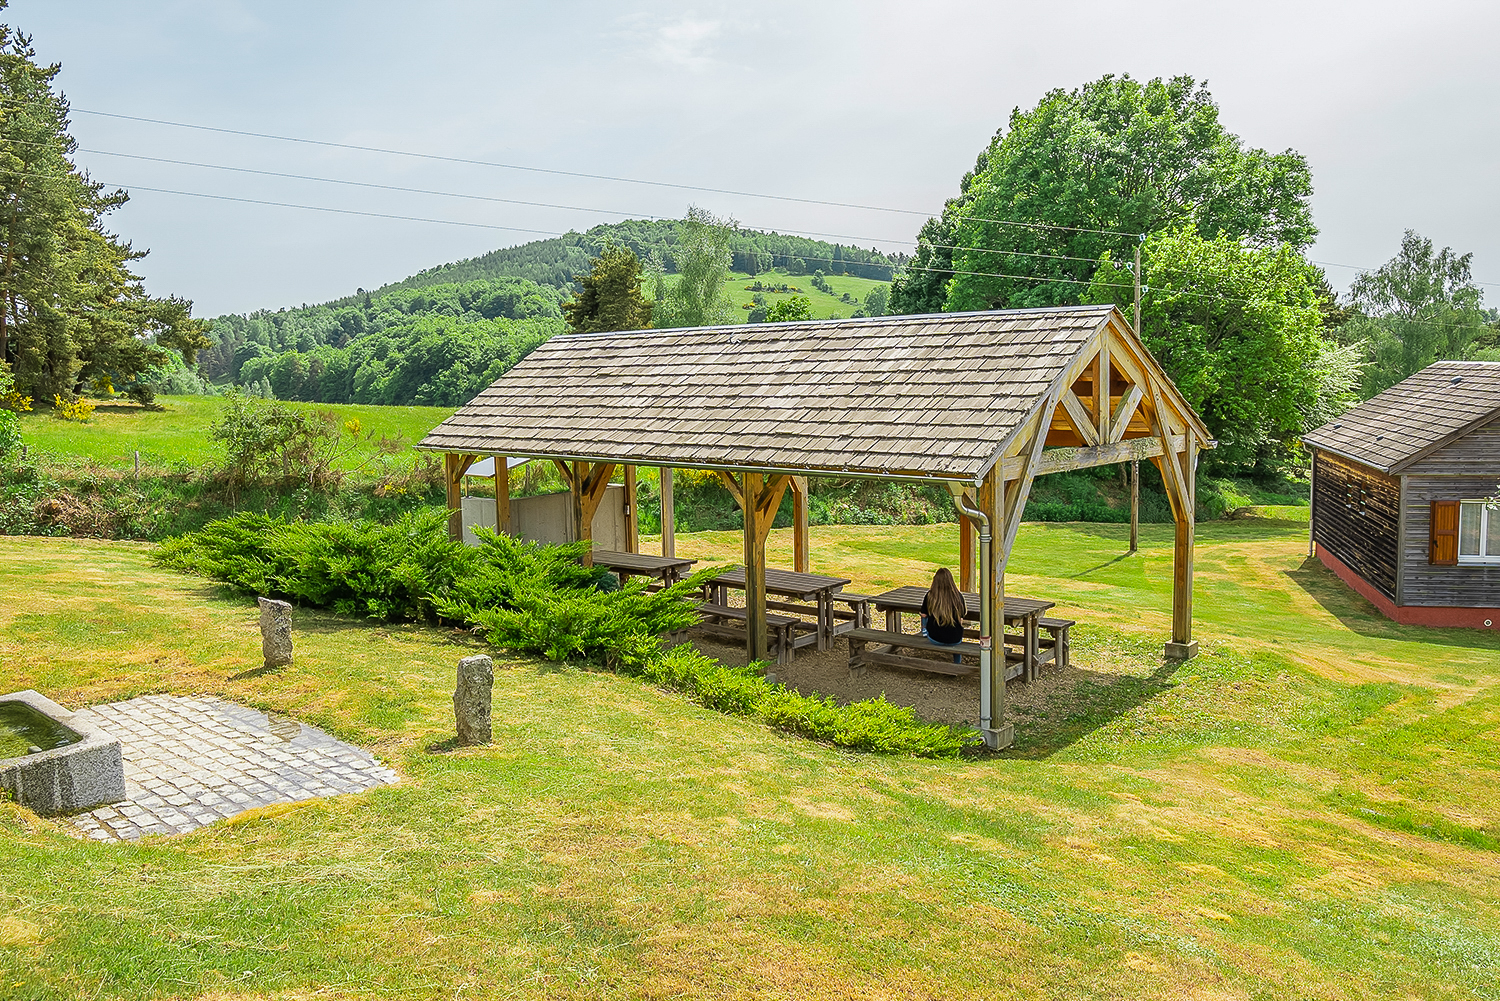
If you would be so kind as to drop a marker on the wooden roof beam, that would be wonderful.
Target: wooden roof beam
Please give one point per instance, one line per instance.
(1125, 412)
(1061, 460)
(1081, 420)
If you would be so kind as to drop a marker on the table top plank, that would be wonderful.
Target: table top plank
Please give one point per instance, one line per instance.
(785, 582)
(639, 562)
(909, 599)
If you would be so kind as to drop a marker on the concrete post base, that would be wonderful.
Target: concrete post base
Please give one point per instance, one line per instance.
(1182, 651)
(1001, 738)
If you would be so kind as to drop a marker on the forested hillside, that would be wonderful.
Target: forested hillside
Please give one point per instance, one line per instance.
(435, 346)
(556, 261)
(440, 336)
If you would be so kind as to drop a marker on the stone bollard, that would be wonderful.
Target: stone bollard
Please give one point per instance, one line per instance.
(276, 632)
(471, 700)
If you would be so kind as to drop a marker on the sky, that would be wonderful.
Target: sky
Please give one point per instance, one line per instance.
(869, 103)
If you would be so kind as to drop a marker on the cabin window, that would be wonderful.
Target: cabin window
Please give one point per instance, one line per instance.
(1478, 532)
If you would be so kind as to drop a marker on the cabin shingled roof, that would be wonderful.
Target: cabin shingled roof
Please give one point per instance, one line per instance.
(910, 395)
(1416, 416)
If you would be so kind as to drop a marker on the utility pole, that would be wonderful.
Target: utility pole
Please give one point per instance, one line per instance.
(1135, 464)
(1136, 271)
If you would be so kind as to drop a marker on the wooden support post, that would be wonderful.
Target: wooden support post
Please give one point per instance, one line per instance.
(1101, 389)
(800, 554)
(583, 522)
(1183, 646)
(455, 465)
(502, 495)
(755, 569)
(632, 523)
(965, 554)
(761, 497)
(1135, 504)
(668, 515)
(589, 481)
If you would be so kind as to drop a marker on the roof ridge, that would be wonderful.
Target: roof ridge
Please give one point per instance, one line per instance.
(890, 319)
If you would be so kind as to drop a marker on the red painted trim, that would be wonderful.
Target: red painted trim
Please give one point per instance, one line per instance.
(1411, 615)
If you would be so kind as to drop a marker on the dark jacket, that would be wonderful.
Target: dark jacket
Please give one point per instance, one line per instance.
(939, 633)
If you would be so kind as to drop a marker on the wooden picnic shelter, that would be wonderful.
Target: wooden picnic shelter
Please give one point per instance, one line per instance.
(981, 402)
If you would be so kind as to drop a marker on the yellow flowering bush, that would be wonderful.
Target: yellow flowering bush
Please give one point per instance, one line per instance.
(78, 410)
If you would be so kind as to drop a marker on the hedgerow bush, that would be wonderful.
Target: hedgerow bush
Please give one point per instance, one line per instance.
(529, 599)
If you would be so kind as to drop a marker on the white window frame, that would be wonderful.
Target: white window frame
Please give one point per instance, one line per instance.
(1489, 522)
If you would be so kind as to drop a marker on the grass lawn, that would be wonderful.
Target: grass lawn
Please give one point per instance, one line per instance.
(178, 433)
(1309, 809)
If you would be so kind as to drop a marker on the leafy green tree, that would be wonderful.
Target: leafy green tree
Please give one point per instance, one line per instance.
(71, 310)
(1239, 330)
(609, 295)
(1419, 307)
(797, 307)
(1115, 155)
(703, 257)
(876, 300)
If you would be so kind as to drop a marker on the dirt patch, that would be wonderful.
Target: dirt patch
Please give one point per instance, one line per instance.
(939, 698)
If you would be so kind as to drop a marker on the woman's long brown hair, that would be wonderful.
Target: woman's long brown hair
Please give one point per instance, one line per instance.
(945, 604)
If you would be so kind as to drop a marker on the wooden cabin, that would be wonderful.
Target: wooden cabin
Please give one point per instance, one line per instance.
(1400, 491)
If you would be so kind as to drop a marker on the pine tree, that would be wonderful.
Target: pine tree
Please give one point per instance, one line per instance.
(609, 296)
(71, 310)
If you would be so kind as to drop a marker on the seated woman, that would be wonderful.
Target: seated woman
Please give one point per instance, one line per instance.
(943, 611)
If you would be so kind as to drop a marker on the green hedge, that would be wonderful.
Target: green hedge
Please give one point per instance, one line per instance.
(529, 599)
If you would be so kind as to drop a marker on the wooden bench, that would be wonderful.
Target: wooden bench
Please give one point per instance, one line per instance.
(1052, 645)
(780, 629)
(1057, 630)
(885, 643)
(858, 614)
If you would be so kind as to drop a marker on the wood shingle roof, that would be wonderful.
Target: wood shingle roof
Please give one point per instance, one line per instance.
(1415, 417)
(933, 396)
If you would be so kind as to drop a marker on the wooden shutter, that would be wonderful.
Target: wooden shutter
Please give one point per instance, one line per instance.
(1444, 538)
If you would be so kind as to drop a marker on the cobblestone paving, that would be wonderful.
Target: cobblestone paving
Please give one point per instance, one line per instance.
(192, 761)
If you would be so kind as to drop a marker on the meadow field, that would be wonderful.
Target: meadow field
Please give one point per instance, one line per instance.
(179, 431)
(1309, 809)
(824, 305)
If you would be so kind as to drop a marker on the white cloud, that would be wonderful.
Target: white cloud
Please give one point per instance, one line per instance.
(686, 43)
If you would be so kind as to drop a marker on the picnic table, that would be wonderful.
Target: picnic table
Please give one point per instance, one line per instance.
(808, 593)
(667, 569)
(1027, 612)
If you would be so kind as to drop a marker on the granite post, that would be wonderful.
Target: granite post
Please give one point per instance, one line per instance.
(471, 700)
(275, 632)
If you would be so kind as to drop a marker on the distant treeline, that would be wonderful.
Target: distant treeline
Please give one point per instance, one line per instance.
(437, 345)
(441, 336)
(555, 261)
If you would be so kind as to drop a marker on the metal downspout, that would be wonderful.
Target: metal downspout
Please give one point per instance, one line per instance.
(987, 722)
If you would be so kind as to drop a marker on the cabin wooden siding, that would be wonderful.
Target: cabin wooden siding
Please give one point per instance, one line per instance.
(1467, 468)
(1356, 517)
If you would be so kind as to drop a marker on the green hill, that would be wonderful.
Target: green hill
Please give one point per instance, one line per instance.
(556, 261)
(438, 337)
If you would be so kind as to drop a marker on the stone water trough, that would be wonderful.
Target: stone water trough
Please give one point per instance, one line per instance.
(57, 763)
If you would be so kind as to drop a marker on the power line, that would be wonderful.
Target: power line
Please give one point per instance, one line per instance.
(550, 205)
(582, 174)
(501, 165)
(619, 212)
(629, 180)
(452, 222)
